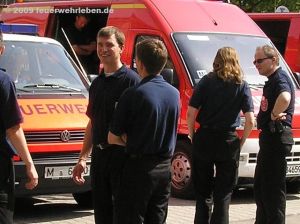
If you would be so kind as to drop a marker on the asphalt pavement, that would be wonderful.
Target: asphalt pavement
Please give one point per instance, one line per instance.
(62, 209)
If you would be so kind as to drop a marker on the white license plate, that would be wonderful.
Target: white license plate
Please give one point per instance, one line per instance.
(62, 172)
(293, 170)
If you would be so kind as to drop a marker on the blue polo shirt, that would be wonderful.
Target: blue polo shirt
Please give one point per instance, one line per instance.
(10, 114)
(104, 95)
(148, 114)
(277, 83)
(220, 102)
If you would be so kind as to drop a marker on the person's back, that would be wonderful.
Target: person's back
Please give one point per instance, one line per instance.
(158, 101)
(215, 104)
(146, 122)
(223, 101)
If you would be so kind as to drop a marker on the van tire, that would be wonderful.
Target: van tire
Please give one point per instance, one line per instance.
(181, 166)
(293, 187)
(83, 199)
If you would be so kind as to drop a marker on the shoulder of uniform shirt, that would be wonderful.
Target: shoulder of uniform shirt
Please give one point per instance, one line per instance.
(133, 75)
(3, 74)
(5, 78)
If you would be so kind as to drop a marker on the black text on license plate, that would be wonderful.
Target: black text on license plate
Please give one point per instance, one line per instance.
(293, 170)
(58, 172)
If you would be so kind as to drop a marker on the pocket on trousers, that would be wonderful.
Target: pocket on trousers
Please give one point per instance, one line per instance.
(234, 148)
(286, 137)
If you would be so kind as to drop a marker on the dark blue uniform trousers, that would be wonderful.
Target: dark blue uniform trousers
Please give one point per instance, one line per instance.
(6, 189)
(270, 177)
(144, 191)
(214, 186)
(106, 167)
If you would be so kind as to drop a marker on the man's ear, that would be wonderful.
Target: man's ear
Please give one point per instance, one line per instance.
(122, 48)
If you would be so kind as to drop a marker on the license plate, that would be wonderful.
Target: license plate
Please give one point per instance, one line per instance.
(63, 172)
(293, 170)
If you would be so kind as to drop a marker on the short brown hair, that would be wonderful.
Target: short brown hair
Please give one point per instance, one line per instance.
(153, 54)
(111, 30)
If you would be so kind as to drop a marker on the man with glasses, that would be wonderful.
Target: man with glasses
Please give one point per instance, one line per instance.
(275, 139)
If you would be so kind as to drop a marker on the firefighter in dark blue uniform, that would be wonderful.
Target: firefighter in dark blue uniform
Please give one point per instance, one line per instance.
(146, 122)
(11, 131)
(216, 104)
(107, 160)
(275, 140)
(82, 43)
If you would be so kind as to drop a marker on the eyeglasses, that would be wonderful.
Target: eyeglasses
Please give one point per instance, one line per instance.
(259, 61)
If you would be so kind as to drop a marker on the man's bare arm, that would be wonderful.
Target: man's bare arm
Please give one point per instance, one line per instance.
(84, 154)
(16, 136)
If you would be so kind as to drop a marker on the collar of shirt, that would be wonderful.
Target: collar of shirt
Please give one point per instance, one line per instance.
(274, 73)
(149, 77)
(116, 74)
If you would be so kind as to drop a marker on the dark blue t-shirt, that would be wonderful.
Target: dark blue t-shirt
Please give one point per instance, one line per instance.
(148, 114)
(221, 102)
(10, 114)
(104, 95)
(277, 83)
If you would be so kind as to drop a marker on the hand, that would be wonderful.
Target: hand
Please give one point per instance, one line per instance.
(124, 138)
(32, 176)
(281, 116)
(78, 172)
(242, 142)
(190, 137)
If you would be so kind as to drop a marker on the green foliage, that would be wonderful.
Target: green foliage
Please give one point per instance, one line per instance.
(266, 5)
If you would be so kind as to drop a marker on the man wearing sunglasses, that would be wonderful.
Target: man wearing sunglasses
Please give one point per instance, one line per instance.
(275, 139)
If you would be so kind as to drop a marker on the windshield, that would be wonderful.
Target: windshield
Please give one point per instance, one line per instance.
(33, 64)
(199, 50)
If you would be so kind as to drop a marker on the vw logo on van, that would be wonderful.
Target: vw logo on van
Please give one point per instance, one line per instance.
(65, 135)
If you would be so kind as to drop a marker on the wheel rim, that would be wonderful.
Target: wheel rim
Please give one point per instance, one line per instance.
(181, 170)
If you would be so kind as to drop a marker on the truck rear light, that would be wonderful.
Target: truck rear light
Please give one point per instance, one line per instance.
(16, 158)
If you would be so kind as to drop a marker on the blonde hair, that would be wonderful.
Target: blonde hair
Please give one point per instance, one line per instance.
(226, 65)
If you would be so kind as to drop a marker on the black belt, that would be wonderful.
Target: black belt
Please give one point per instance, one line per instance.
(215, 128)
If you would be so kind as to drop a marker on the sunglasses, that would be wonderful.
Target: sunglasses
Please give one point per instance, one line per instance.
(261, 60)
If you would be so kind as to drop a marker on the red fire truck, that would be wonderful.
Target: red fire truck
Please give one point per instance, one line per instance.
(192, 31)
(283, 30)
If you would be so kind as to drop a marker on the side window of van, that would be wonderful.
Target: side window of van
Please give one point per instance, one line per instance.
(169, 68)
